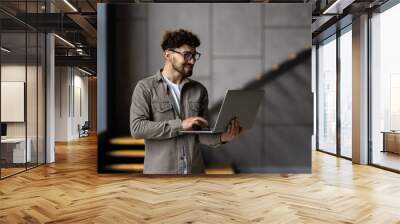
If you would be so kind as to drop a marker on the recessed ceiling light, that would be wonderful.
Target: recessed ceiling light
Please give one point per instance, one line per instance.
(84, 71)
(337, 7)
(64, 40)
(70, 5)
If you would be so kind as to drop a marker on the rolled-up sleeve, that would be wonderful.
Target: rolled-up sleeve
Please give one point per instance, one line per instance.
(140, 124)
(213, 140)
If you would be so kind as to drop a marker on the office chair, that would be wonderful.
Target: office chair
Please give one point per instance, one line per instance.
(84, 130)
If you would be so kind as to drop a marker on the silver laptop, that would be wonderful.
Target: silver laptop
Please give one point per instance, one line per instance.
(242, 104)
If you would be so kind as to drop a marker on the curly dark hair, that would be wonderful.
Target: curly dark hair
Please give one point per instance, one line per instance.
(177, 38)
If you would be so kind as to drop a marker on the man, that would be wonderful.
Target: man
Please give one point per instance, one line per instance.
(168, 102)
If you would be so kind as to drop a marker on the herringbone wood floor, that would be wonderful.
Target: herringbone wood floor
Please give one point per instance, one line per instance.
(70, 191)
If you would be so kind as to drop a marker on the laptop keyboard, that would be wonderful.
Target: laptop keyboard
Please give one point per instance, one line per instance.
(199, 128)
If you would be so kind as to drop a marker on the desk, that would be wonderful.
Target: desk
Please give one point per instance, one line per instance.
(13, 150)
(391, 141)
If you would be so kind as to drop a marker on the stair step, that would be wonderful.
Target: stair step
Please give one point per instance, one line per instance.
(126, 141)
(127, 153)
(138, 167)
(133, 167)
(227, 169)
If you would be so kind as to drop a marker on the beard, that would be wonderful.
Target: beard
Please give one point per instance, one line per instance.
(185, 69)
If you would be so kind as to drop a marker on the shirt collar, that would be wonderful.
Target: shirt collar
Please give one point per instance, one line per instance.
(161, 78)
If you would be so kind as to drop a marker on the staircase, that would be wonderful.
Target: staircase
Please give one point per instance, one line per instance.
(126, 155)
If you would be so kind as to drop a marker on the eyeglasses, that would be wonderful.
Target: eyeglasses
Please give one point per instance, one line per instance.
(187, 55)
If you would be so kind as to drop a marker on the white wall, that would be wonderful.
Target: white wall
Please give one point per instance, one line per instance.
(70, 83)
(79, 117)
(61, 103)
(12, 73)
(16, 73)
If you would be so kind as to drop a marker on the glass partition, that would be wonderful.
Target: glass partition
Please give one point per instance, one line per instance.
(31, 100)
(41, 91)
(327, 95)
(22, 78)
(385, 89)
(13, 109)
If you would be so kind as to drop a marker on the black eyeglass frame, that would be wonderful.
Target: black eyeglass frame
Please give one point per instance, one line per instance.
(187, 55)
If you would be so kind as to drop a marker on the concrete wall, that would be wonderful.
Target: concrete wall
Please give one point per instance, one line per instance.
(239, 42)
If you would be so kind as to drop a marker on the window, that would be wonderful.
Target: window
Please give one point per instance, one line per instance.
(327, 95)
(346, 92)
(385, 88)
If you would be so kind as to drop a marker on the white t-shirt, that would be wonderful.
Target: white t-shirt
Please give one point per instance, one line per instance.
(176, 92)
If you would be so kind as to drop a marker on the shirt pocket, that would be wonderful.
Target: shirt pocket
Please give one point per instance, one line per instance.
(162, 111)
(195, 109)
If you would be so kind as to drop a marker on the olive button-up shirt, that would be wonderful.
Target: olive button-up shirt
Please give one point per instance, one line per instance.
(154, 117)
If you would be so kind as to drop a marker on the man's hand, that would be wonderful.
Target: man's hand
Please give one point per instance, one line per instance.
(188, 123)
(232, 131)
